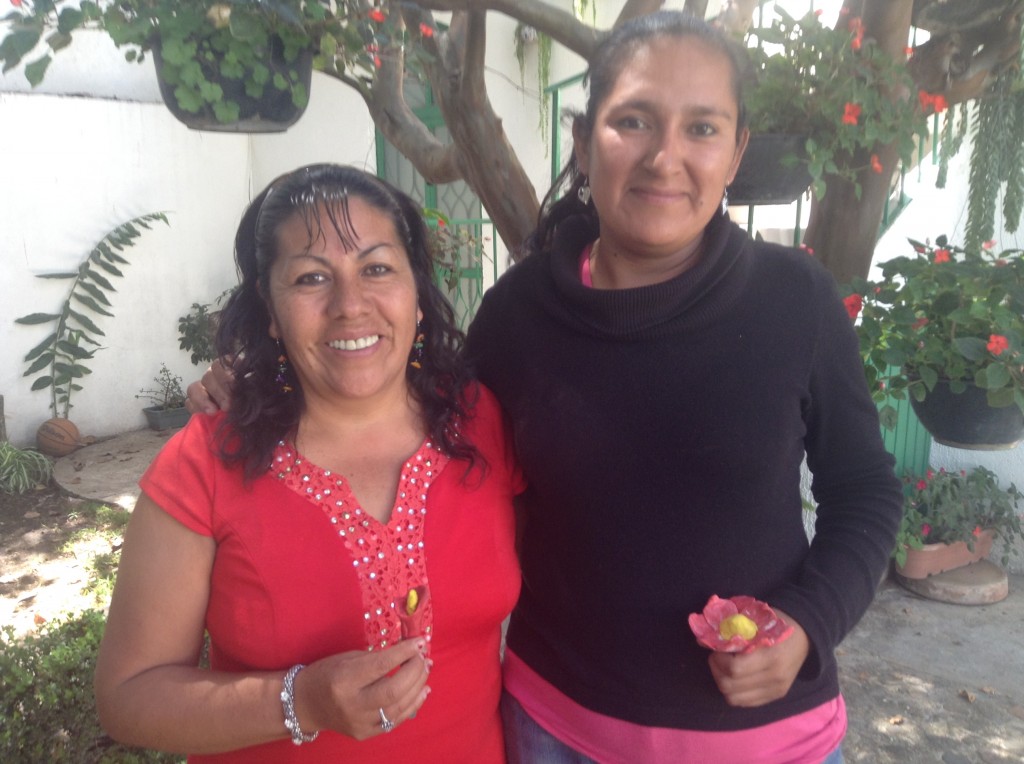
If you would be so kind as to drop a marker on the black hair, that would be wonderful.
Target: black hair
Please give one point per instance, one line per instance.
(605, 64)
(261, 414)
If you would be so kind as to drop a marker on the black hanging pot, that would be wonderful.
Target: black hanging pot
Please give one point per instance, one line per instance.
(272, 111)
(762, 178)
(965, 420)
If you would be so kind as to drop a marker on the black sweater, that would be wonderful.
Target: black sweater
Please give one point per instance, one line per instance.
(662, 430)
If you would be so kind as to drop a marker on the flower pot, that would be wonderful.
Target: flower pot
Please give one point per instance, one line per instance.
(762, 178)
(272, 112)
(965, 420)
(938, 558)
(165, 419)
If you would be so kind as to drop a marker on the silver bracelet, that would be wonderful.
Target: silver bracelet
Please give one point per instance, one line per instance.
(291, 721)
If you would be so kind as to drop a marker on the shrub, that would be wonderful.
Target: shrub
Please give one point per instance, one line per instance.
(46, 697)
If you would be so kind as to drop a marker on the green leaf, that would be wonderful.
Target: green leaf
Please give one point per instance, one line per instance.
(90, 303)
(1001, 398)
(91, 274)
(35, 71)
(42, 346)
(929, 376)
(37, 318)
(971, 348)
(111, 269)
(40, 383)
(57, 275)
(998, 376)
(86, 323)
(40, 363)
(226, 111)
(95, 291)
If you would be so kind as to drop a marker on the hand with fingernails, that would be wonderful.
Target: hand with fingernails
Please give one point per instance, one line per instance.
(362, 694)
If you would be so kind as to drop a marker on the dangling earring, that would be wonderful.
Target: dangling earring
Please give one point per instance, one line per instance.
(583, 194)
(725, 201)
(416, 356)
(282, 370)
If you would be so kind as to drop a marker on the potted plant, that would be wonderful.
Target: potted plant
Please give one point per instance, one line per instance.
(197, 329)
(950, 519)
(946, 327)
(168, 401)
(73, 338)
(220, 65)
(820, 100)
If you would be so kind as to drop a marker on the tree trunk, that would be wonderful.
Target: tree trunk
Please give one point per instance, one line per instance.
(843, 229)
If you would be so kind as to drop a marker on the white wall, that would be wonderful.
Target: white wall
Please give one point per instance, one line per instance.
(74, 167)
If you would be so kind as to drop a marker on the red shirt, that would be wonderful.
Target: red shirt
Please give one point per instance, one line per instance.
(286, 586)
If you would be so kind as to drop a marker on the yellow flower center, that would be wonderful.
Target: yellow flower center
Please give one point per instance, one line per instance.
(737, 624)
(413, 599)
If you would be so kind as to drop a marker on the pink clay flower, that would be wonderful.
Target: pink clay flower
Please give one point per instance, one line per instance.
(725, 625)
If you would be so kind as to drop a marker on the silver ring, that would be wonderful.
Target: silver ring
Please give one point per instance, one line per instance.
(385, 723)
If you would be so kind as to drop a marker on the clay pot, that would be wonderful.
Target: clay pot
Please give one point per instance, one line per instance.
(938, 558)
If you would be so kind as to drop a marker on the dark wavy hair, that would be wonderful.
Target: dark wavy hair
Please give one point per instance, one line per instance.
(605, 64)
(261, 413)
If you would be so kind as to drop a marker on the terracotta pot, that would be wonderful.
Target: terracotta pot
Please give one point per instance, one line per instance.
(965, 420)
(938, 558)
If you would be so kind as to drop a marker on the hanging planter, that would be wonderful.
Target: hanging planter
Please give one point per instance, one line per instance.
(266, 96)
(966, 420)
(773, 170)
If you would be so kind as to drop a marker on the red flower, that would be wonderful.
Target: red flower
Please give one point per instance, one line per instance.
(989, 244)
(930, 473)
(977, 530)
(921, 322)
(376, 62)
(922, 484)
(722, 625)
(1000, 263)
(851, 113)
(16, 3)
(908, 50)
(853, 303)
(926, 529)
(426, 31)
(997, 343)
(377, 15)
(942, 255)
(818, 12)
(932, 102)
(857, 27)
(876, 164)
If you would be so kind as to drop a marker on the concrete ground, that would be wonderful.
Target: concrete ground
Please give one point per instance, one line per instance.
(925, 682)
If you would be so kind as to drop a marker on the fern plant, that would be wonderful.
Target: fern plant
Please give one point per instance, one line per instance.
(61, 356)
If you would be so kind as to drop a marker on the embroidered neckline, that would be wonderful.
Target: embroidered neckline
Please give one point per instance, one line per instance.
(389, 558)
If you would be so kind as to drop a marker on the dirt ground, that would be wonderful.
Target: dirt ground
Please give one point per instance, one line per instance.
(47, 554)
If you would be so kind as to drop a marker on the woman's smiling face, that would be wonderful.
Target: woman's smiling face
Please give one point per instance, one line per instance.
(346, 315)
(663, 147)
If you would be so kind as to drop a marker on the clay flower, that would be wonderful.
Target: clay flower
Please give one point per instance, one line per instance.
(737, 625)
(411, 610)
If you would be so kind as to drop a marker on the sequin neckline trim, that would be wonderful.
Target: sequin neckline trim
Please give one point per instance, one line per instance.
(389, 558)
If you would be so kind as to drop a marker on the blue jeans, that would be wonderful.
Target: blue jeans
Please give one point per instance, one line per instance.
(526, 742)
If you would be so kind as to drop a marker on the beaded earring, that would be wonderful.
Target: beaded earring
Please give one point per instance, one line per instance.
(282, 370)
(416, 356)
(583, 194)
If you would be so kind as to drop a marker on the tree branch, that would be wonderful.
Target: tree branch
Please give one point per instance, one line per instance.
(557, 24)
